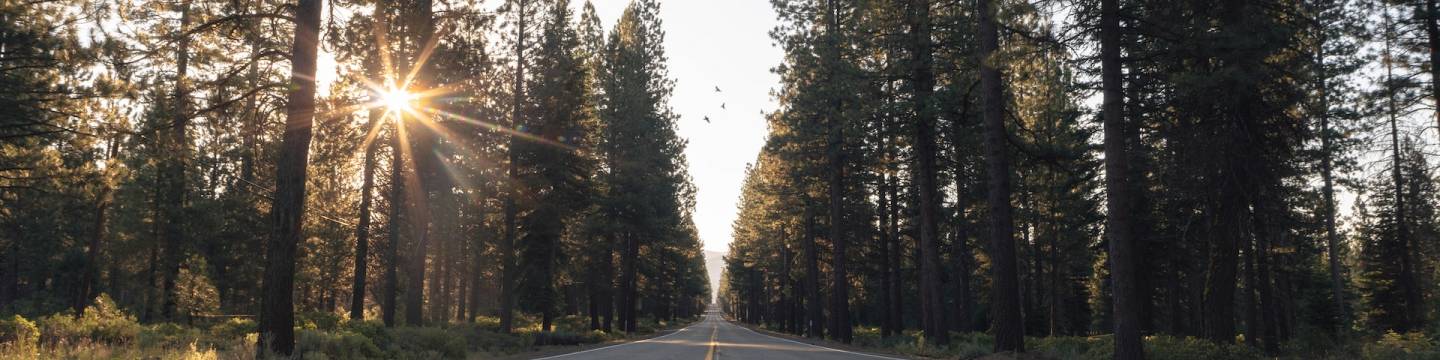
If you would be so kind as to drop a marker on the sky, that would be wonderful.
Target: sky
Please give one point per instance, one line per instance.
(725, 44)
(710, 44)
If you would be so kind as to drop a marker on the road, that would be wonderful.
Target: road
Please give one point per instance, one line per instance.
(714, 338)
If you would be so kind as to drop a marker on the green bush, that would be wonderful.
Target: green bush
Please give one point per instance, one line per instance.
(1170, 347)
(102, 322)
(371, 329)
(1409, 346)
(19, 333)
(233, 328)
(428, 340)
(317, 344)
(1074, 347)
(317, 320)
(493, 342)
(169, 336)
(486, 323)
(572, 323)
(568, 337)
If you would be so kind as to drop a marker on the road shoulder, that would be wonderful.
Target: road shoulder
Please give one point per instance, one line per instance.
(832, 345)
(557, 350)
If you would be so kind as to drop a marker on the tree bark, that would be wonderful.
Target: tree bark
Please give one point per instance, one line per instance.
(362, 230)
(1120, 200)
(1406, 278)
(840, 283)
(1007, 324)
(172, 173)
(815, 317)
(277, 308)
(507, 283)
(1432, 33)
(897, 255)
(1327, 153)
(390, 294)
(92, 253)
(922, 81)
(628, 283)
(425, 171)
(886, 286)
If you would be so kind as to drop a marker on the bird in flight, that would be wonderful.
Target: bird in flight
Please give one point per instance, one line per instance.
(722, 105)
(707, 119)
(717, 89)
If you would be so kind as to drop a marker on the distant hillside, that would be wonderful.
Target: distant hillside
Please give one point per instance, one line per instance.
(714, 264)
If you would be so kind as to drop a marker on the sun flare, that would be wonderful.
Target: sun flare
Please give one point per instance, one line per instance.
(397, 100)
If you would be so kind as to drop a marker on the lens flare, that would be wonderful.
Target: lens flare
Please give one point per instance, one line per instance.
(397, 100)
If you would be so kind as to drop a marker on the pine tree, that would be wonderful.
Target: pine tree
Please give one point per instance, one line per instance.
(277, 311)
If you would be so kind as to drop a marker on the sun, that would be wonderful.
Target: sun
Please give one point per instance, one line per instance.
(397, 100)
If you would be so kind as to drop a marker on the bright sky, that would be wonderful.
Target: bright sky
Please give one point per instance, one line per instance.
(712, 43)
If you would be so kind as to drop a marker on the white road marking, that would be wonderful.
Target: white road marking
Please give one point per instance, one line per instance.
(818, 346)
(677, 332)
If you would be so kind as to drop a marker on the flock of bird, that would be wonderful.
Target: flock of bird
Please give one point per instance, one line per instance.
(722, 105)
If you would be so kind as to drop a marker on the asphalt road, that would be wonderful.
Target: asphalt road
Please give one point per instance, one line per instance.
(715, 338)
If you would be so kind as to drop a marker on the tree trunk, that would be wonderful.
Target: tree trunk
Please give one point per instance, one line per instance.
(897, 249)
(1268, 334)
(507, 249)
(840, 283)
(1120, 199)
(607, 275)
(784, 307)
(277, 309)
(1406, 278)
(886, 286)
(362, 230)
(476, 276)
(92, 254)
(628, 282)
(1332, 237)
(815, 317)
(391, 291)
(1005, 299)
(1432, 33)
(172, 173)
(425, 170)
(922, 81)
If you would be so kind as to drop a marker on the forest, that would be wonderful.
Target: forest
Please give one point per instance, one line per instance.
(337, 179)
(1096, 179)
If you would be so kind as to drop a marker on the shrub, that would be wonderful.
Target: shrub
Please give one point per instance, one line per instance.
(493, 342)
(1075, 347)
(102, 322)
(1409, 346)
(1170, 347)
(488, 323)
(169, 336)
(317, 320)
(315, 344)
(233, 328)
(371, 329)
(19, 334)
(568, 337)
(427, 340)
(572, 323)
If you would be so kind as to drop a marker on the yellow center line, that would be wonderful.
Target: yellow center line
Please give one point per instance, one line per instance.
(714, 330)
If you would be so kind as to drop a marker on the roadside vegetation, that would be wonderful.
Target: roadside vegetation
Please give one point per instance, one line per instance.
(107, 332)
(979, 345)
